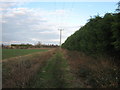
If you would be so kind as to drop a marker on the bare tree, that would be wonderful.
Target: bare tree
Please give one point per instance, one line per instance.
(38, 45)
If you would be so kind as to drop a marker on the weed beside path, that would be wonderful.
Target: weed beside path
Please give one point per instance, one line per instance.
(19, 72)
(90, 72)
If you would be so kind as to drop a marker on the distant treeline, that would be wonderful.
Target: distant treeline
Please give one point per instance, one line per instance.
(100, 35)
(26, 46)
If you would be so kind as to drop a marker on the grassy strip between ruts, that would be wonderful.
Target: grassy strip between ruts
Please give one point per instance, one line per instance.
(55, 74)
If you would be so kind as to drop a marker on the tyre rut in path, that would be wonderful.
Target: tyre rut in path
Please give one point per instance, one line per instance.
(55, 74)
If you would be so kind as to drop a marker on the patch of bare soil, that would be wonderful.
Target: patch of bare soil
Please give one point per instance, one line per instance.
(18, 72)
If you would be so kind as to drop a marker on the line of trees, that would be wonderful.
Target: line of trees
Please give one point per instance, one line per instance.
(27, 46)
(101, 35)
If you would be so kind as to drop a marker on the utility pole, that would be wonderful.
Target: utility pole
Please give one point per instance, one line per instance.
(60, 35)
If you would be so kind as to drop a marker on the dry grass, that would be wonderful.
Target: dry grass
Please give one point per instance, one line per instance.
(87, 71)
(18, 72)
(90, 72)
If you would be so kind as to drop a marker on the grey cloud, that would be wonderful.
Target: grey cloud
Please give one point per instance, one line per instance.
(30, 26)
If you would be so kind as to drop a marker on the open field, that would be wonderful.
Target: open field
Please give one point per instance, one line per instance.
(60, 44)
(59, 68)
(8, 53)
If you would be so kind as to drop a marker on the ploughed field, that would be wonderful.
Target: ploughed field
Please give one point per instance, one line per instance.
(8, 53)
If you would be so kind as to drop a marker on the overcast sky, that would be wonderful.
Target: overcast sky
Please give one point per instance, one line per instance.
(30, 22)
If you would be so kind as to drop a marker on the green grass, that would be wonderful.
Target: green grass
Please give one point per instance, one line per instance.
(54, 74)
(8, 53)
